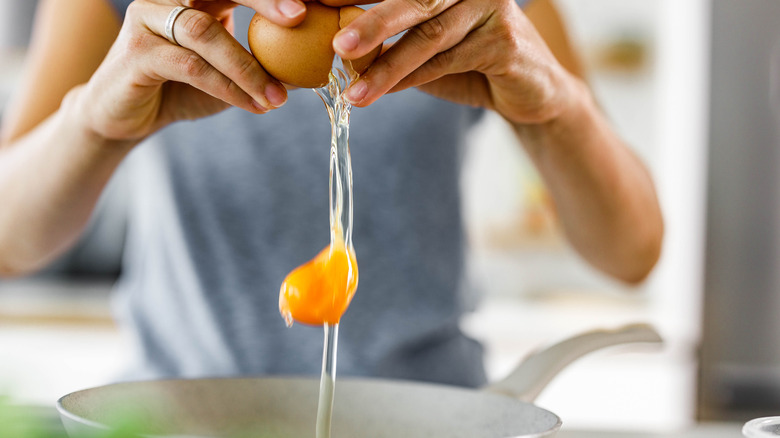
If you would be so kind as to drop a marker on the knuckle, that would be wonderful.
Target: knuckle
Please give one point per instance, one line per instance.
(426, 7)
(430, 30)
(381, 18)
(384, 63)
(200, 26)
(133, 11)
(247, 67)
(505, 5)
(232, 91)
(513, 43)
(443, 60)
(506, 22)
(137, 42)
(192, 65)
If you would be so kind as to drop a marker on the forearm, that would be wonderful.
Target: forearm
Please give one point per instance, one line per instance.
(604, 195)
(50, 181)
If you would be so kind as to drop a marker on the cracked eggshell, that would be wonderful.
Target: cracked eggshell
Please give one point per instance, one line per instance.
(302, 56)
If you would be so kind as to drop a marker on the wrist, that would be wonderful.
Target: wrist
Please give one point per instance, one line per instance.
(77, 110)
(574, 115)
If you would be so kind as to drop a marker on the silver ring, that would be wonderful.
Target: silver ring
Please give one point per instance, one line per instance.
(171, 21)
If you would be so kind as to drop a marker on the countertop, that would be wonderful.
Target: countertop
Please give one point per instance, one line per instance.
(715, 430)
(49, 420)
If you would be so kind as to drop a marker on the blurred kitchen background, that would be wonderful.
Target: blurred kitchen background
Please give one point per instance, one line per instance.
(692, 85)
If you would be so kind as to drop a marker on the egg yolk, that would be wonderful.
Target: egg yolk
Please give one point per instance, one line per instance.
(320, 291)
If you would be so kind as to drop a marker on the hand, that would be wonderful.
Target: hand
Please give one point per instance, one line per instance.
(147, 82)
(482, 53)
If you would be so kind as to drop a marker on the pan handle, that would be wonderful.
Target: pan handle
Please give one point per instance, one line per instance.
(537, 370)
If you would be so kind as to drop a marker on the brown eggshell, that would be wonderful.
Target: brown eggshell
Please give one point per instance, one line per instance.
(301, 56)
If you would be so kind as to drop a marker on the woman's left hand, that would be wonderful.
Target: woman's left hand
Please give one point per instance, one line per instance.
(482, 53)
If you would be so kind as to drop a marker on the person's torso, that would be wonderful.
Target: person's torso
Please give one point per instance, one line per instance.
(223, 208)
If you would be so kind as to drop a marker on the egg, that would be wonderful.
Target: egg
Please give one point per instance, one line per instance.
(303, 55)
(320, 291)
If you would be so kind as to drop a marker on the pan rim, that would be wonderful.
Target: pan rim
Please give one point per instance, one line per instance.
(347, 380)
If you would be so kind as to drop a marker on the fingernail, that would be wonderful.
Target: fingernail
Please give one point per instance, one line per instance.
(346, 41)
(291, 8)
(356, 92)
(275, 95)
(256, 105)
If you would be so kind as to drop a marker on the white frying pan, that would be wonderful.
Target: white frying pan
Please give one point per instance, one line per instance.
(364, 408)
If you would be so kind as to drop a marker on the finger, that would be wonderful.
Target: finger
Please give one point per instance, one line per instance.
(195, 105)
(460, 59)
(468, 88)
(383, 21)
(206, 36)
(230, 24)
(340, 3)
(282, 12)
(420, 44)
(173, 63)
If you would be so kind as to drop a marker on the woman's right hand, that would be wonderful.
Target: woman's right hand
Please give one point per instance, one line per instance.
(146, 82)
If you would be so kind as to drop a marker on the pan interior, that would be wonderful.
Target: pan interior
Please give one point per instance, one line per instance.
(284, 407)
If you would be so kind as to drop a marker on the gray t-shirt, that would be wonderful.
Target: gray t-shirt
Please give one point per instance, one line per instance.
(223, 208)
